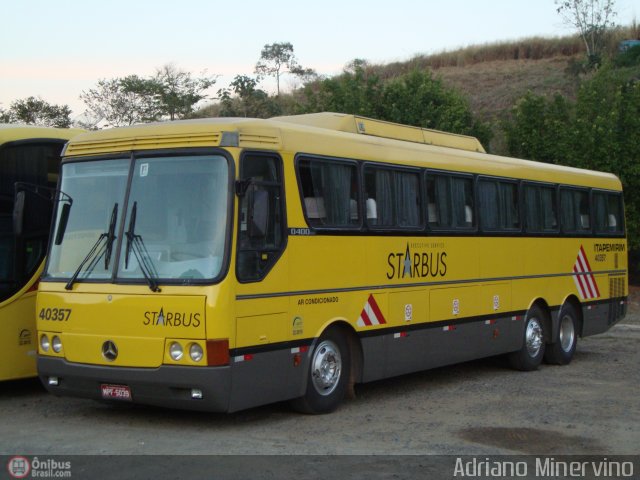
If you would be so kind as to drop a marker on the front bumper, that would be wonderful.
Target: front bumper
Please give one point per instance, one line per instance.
(166, 386)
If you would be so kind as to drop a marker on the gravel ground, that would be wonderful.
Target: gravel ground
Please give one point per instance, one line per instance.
(589, 407)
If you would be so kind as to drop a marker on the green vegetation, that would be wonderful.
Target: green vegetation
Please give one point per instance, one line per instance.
(35, 111)
(598, 130)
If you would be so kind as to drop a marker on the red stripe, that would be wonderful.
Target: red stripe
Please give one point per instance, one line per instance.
(580, 282)
(376, 309)
(585, 269)
(586, 260)
(365, 318)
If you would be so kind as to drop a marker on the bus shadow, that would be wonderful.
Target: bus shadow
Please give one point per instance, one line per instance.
(21, 388)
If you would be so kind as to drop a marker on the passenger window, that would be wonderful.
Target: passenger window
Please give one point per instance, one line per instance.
(608, 213)
(499, 210)
(575, 211)
(392, 198)
(330, 193)
(450, 204)
(540, 209)
(261, 237)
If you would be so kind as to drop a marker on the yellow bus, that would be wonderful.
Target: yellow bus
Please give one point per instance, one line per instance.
(221, 264)
(29, 157)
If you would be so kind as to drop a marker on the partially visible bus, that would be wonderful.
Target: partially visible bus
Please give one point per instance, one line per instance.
(29, 157)
(222, 264)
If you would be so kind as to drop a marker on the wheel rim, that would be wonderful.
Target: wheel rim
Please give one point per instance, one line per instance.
(533, 337)
(326, 367)
(567, 333)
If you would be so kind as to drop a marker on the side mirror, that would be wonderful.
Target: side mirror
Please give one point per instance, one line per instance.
(31, 214)
(258, 214)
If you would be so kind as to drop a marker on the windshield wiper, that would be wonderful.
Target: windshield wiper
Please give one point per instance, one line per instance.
(135, 243)
(98, 250)
(111, 236)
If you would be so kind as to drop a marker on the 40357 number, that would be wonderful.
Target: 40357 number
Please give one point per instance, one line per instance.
(55, 314)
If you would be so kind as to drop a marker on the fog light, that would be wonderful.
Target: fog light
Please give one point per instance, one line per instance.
(44, 343)
(53, 381)
(196, 394)
(195, 352)
(175, 351)
(56, 344)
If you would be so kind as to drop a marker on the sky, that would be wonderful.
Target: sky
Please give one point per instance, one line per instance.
(57, 49)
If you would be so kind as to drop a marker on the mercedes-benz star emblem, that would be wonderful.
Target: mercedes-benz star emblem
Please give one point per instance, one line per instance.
(109, 350)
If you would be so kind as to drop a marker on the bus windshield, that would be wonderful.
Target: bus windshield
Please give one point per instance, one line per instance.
(172, 220)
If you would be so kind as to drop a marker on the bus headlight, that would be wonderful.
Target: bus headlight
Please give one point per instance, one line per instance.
(56, 344)
(195, 352)
(44, 343)
(175, 351)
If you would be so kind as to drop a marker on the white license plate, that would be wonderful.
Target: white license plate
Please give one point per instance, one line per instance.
(116, 392)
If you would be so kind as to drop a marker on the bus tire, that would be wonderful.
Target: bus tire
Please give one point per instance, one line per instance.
(328, 375)
(530, 356)
(561, 350)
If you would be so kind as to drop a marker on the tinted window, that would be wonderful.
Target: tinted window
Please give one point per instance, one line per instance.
(499, 209)
(392, 198)
(450, 201)
(574, 210)
(329, 192)
(608, 210)
(540, 208)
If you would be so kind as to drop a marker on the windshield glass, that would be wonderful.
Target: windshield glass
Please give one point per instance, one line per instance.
(94, 188)
(173, 229)
(180, 218)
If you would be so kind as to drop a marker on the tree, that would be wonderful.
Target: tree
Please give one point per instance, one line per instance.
(598, 131)
(538, 129)
(358, 90)
(36, 111)
(124, 101)
(5, 116)
(244, 99)
(592, 18)
(277, 59)
(179, 92)
(416, 98)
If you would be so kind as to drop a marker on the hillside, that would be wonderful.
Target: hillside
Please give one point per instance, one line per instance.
(494, 76)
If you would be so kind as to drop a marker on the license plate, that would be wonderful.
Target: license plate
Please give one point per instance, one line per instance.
(116, 392)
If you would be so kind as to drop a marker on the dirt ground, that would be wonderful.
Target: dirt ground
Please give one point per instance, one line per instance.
(589, 407)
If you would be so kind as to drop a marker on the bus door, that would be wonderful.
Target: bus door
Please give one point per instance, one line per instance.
(262, 272)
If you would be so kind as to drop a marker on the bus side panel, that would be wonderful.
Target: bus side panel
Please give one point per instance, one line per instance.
(436, 346)
(265, 377)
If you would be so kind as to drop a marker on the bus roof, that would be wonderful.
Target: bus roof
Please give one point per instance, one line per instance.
(15, 132)
(335, 135)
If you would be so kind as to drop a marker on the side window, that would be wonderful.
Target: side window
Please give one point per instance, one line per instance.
(392, 198)
(261, 236)
(450, 204)
(329, 193)
(540, 207)
(608, 217)
(499, 206)
(574, 210)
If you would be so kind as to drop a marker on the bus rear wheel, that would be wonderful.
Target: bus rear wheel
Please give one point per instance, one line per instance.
(561, 351)
(328, 374)
(530, 355)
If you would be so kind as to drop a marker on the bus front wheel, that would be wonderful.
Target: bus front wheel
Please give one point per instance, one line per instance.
(561, 351)
(530, 355)
(328, 374)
